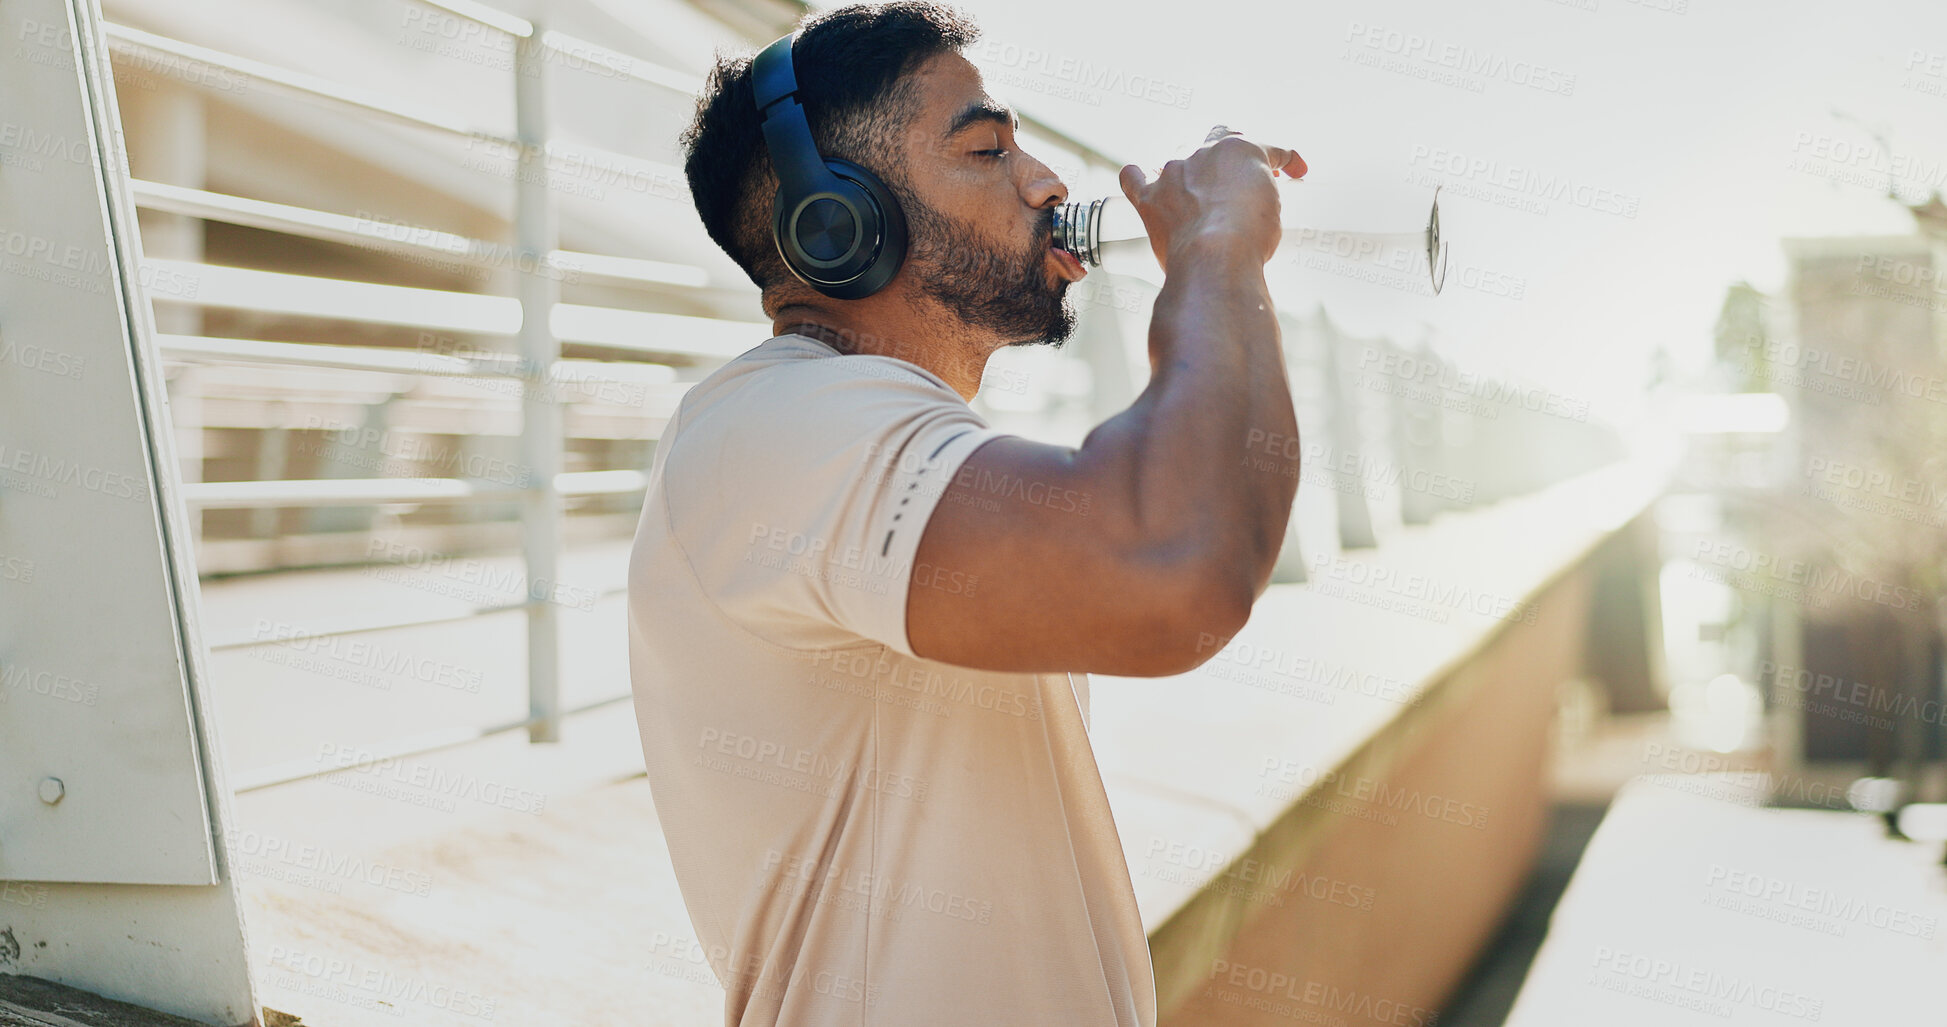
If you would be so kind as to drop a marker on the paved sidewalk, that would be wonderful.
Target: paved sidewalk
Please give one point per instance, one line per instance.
(567, 917)
(493, 882)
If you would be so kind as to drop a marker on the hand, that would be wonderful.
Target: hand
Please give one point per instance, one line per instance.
(1221, 192)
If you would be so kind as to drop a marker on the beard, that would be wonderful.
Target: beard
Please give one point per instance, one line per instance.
(989, 287)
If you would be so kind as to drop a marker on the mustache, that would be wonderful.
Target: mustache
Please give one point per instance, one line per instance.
(1046, 227)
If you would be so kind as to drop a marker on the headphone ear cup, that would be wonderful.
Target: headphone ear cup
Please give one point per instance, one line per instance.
(847, 242)
(892, 227)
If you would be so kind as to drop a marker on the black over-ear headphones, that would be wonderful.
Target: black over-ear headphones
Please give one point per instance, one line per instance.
(837, 226)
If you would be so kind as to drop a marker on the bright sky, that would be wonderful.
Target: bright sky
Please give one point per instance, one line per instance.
(1713, 120)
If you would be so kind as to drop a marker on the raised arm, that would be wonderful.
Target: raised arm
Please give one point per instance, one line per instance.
(1140, 551)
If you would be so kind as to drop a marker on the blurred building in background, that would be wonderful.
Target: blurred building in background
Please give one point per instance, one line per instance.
(1807, 536)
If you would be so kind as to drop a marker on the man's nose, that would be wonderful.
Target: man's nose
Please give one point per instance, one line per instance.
(1044, 187)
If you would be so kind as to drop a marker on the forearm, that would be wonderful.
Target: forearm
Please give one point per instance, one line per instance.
(1270, 452)
(1208, 447)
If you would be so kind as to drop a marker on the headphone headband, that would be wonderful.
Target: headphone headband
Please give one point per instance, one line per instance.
(787, 133)
(771, 76)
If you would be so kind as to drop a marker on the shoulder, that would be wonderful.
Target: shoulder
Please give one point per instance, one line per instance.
(793, 415)
(796, 393)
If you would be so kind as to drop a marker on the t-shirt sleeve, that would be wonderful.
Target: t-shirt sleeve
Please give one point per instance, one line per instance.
(800, 501)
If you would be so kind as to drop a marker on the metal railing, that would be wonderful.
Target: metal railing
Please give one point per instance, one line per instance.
(534, 317)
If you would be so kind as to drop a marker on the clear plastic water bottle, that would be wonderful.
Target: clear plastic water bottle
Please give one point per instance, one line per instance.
(1109, 234)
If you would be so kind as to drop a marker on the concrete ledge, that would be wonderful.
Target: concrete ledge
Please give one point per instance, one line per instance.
(1354, 880)
(33, 1002)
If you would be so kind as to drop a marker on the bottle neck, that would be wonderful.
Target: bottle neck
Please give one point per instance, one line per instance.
(1079, 229)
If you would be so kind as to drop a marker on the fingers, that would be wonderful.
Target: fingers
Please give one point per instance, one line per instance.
(1279, 158)
(1287, 161)
(1282, 161)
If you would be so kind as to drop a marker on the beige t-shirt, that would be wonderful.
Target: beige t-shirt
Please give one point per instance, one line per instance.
(862, 837)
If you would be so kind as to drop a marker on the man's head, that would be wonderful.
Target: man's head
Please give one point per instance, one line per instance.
(885, 87)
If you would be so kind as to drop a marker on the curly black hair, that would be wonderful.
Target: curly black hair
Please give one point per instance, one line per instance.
(852, 65)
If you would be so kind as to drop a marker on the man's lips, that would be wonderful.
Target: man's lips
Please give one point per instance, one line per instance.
(1071, 267)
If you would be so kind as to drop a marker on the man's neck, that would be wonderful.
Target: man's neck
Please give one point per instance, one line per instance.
(959, 361)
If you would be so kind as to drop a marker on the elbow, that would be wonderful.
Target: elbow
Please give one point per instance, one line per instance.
(1196, 621)
(1216, 611)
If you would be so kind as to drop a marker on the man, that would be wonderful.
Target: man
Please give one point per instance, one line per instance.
(861, 620)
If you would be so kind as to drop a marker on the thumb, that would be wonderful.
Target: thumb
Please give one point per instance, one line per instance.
(1286, 161)
(1133, 181)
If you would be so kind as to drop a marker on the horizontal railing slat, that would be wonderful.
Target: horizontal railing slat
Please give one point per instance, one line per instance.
(340, 492)
(305, 354)
(480, 13)
(377, 491)
(125, 40)
(614, 60)
(388, 361)
(645, 331)
(274, 292)
(410, 241)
